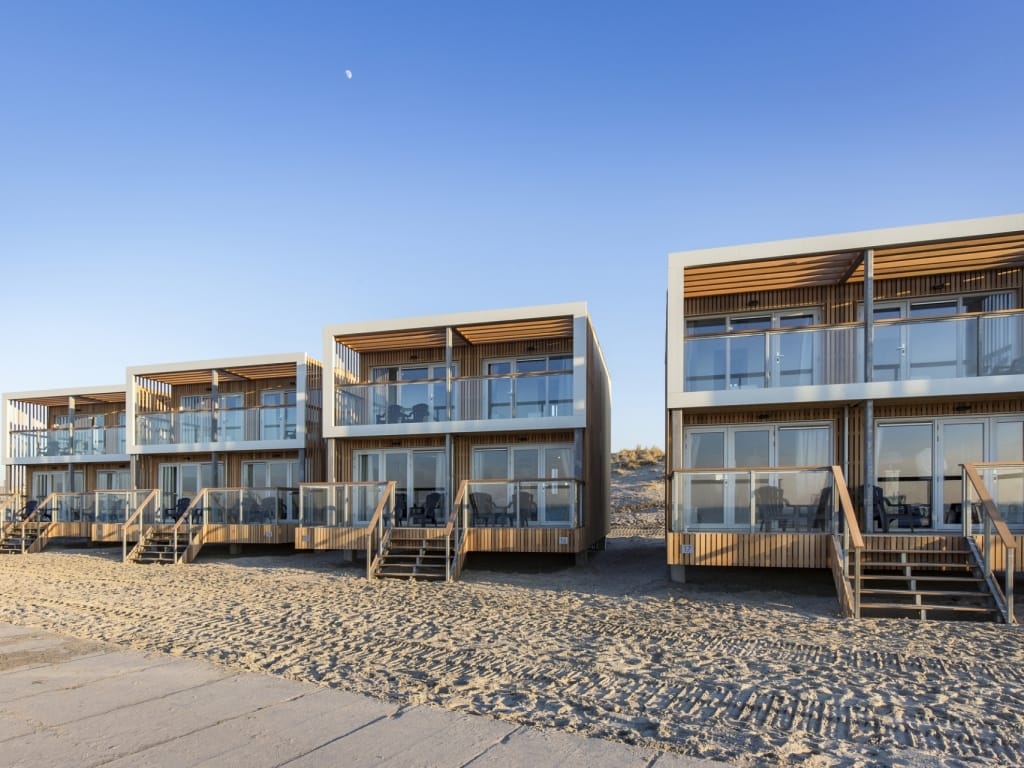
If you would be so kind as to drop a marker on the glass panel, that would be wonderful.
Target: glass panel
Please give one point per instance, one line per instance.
(934, 349)
(428, 474)
(904, 454)
(794, 352)
(557, 497)
(889, 347)
(962, 442)
(499, 390)
(560, 385)
(704, 364)
(752, 448)
(803, 447)
(747, 353)
(490, 463)
(1008, 484)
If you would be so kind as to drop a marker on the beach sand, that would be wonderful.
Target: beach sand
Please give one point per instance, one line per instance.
(753, 668)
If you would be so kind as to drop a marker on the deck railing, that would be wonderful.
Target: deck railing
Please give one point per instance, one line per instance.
(196, 426)
(455, 534)
(793, 500)
(541, 395)
(65, 442)
(267, 505)
(11, 507)
(951, 347)
(995, 535)
(525, 503)
(848, 546)
(340, 505)
(147, 514)
(379, 530)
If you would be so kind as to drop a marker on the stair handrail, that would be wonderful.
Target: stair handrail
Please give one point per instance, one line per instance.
(850, 538)
(455, 534)
(33, 517)
(378, 530)
(136, 517)
(991, 519)
(197, 507)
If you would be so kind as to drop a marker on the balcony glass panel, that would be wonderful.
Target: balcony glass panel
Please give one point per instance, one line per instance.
(525, 503)
(339, 505)
(233, 425)
(89, 441)
(753, 501)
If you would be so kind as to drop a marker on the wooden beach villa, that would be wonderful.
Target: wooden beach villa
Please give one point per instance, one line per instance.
(853, 402)
(476, 432)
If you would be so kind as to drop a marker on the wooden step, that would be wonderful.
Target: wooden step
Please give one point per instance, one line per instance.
(928, 593)
(928, 608)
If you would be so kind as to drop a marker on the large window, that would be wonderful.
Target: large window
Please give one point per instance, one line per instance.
(931, 338)
(45, 483)
(529, 387)
(723, 499)
(544, 472)
(410, 393)
(769, 349)
(416, 473)
(186, 480)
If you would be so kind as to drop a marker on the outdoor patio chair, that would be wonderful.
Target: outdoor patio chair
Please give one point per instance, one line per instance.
(432, 508)
(268, 509)
(482, 505)
(173, 514)
(771, 506)
(527, 508)
(420, 412)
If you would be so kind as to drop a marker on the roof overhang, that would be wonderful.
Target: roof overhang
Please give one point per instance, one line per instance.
(906, 252)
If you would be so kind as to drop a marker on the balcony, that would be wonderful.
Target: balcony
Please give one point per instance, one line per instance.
(191, 427)
(533, 503)
(918, 349)
(543, 395)
(67, 444)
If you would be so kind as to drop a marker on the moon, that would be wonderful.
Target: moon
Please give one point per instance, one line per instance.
(348, 73)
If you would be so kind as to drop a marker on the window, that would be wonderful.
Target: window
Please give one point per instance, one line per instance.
(932, 339)
(197, 418)
(415, 472)
(544, 472)
(751, 351)
(410, 393)
(277, 416)
(529, 387)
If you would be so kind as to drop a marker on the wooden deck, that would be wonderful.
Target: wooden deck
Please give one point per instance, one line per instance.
(799, 550)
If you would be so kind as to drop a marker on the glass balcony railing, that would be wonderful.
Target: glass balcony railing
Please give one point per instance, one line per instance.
(752, 501)
(84, 441)
(339, 505)
(534, 503)
(521, 396)
(233, 425)
(249, 506)
(952, 347)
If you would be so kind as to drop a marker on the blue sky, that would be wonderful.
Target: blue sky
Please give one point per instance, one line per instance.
(191, 180)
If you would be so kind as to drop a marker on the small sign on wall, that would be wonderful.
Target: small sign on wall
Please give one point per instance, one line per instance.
(686, 549)
(563, 539)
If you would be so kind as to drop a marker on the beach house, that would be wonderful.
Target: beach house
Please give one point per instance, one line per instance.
(451, 434)
(67, 463)
(853, 402)
(224, 445)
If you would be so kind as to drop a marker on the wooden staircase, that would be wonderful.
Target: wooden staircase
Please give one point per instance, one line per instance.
(157, 546)
(413, 556)
(19, 539)
(925, 583)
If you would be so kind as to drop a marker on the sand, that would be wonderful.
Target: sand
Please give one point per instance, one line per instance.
(750, 668)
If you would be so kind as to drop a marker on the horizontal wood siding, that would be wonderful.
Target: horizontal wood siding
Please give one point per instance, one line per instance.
(330, 538)
(757, 550)
(537, 540)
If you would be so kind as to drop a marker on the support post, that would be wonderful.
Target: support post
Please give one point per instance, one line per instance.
(869, 406)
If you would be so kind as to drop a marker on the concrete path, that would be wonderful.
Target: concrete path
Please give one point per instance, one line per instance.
(68, 702)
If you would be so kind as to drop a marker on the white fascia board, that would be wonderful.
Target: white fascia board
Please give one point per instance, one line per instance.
(852, 241)
(66, 392)
(575, 309)
(810, 396)
(675, 333)
(299, 358)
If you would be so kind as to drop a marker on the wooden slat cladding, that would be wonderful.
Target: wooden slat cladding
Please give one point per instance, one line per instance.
(838, 303)
(217, 533)
(111, 533)
(73, 530)
(330, 538)
(999, 554)
(754, 550)
(597, 450)
(532, 540)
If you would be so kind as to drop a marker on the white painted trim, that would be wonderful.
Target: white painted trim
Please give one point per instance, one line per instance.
(852, 241)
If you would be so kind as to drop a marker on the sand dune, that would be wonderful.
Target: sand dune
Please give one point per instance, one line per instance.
(727, 671)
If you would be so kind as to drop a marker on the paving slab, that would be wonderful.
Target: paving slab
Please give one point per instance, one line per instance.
(68, 703)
